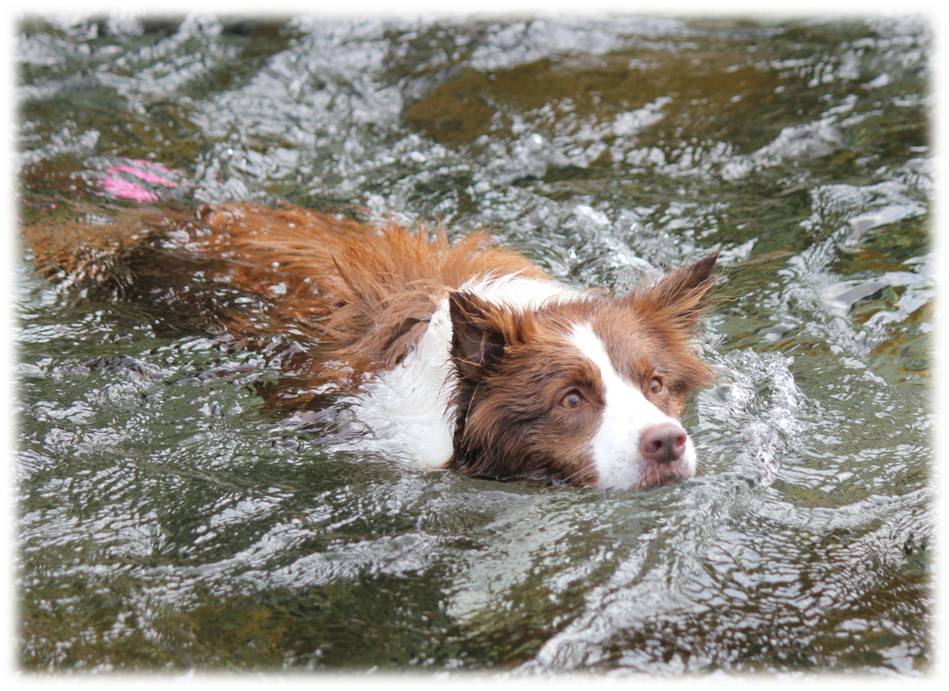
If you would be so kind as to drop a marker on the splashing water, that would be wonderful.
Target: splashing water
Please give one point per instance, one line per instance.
(168, 521)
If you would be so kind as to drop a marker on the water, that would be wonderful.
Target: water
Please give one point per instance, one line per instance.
(167, 520)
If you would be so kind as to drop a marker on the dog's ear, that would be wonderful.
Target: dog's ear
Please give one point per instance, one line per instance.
(479, 333)
(681, 296)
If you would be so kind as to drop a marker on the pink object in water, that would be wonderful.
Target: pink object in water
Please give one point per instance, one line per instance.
(144, 174)
(120, 180)
(123, 189)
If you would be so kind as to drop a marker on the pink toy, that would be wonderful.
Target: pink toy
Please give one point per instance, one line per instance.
(118, 184)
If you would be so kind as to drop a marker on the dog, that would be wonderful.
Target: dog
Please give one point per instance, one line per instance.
(481, 362)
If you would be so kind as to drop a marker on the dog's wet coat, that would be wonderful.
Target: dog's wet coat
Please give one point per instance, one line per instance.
(468, 352)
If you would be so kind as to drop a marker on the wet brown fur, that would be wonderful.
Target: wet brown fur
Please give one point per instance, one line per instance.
(357, 299)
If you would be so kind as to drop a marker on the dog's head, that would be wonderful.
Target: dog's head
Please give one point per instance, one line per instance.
(583, 391)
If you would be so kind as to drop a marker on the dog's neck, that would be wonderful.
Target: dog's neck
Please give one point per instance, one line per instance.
(412, 409)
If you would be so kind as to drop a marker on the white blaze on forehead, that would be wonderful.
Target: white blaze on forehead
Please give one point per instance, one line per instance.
(626, 413)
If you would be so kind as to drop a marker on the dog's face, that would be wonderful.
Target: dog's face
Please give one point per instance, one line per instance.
(586, 392)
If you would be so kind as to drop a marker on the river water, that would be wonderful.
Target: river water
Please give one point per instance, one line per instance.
(167, 520)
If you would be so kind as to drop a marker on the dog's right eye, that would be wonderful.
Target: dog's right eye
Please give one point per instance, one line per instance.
(572, 399)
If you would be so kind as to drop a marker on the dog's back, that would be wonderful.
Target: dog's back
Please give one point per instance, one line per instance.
(358, 297)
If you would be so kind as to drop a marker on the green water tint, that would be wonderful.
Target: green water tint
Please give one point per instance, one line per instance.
(168, 521)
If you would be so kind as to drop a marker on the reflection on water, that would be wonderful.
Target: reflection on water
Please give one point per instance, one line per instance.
(168, 520)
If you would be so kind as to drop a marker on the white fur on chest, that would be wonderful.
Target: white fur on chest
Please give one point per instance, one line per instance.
(407, 408)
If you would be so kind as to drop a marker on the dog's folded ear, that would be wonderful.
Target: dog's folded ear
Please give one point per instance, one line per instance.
(681, 295)
(480, 333)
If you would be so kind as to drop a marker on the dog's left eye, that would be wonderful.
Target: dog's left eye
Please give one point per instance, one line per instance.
(656, 385)
(572, 399)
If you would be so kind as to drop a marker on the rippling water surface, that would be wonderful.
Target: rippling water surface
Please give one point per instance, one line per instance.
(168, 521)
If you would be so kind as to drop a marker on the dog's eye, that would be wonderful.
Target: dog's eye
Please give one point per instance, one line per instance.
(572, 399)
(656, 385)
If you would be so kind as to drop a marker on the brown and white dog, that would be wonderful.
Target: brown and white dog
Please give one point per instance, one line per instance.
(466, 354)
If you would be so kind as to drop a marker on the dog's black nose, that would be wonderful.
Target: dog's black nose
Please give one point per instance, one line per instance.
(663, 443)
